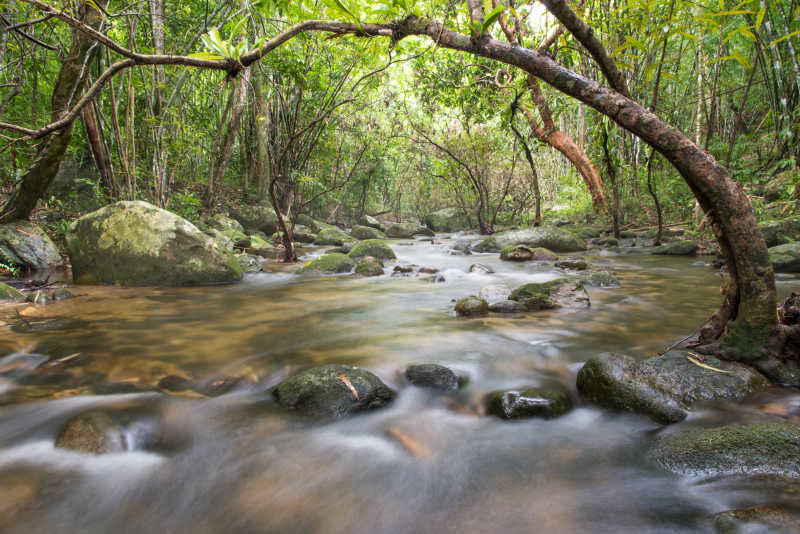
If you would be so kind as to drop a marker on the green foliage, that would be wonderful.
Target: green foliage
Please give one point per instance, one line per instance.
(186, 204)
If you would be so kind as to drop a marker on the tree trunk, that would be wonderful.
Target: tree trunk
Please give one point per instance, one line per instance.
(101, 159)
(38, 177)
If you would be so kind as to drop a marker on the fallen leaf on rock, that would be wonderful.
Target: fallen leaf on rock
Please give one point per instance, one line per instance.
(347, 383)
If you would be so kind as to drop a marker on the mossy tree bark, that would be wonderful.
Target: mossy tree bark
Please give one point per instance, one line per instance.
(41, 173)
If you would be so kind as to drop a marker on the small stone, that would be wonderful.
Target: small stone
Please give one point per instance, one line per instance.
(548, 401)
(428, 270)
(174, 383)
(431, 375)
(93, 432)
(480, 269)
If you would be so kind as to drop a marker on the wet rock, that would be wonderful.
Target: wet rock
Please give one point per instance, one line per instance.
(175, 383)
(572, 265)
(369, 266)
(428, 270)
(330, 263)
(333, 391)
(464, 246)
(37, 297)
(219, 385)
(447, 220)
(344, 249)
(366, 232)
(24, 244)
(303, 234)
(94, 432)
(558, 293)
(587, 232)
(222, 223)
(332, 236)
(767, 448)
(136, 243)
(677, 248)
(548, 400)
(472, 306)
(524, 253)
(372, 247)
(60, 294)
(480, 269)
(785, 258)
(600, 279)
(259, 217)
(223, 241)
(431, 375)
(782, 231)
(249, 263)
(773, 519)
(664, 387)
(494, 292)
(437, 278)
(371, 222)
(261, 247)
(309, 222)
(408, 229)
(507, 306)
(549, 237)
(403, 269)
(9, 293)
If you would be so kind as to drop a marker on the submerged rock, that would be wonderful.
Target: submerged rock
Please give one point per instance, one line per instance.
(472, 306)
(494, 292)
(26, 245)
(463, 245)
(548, 400)
(330, 263)
(249, 263)
(664, 387)
(447, 220)
(333, 391)
(480, 269)
(136, 243)
(524, 253)
(549, 237)
(366, 232)
(785, 258)
(600, 279)
(369, 266)
(94, 432)
(507, 306)
(372, 247)
(558, 293)
(408, 229)
(332, 236)
(431, 375)
(773, 519)
(677, 248)
(767, 448)
(572, 265)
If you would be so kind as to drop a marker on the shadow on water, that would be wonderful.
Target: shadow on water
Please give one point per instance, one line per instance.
(427, 464)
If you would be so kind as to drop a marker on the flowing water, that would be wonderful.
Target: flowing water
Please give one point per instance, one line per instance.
(427, 464)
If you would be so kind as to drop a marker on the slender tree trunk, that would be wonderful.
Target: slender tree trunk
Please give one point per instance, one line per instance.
(95, 136)
(41, 172)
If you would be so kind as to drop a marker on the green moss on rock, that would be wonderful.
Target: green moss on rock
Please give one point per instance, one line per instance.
(472, 306)
(365, 232)
(9, 293)
(785, 258)
(330, 263)
(548, 400)
(558, 293)
(332, 236)
(369, 266)
(372, 247)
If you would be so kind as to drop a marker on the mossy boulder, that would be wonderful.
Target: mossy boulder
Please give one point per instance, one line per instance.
(369, 266)
(785, 258)
(525, 253)
(259, 217)
(472, 307)
(549, 237)
(261, 247)
(447, 220)
(136, 243)
(333, 391)
(332, 236)
(665, 387)
(371, 222)
(677, 248)
(507, 306)
(434, 376)
(10, 293)
(372, 247)
(558, 293)
(586, 232)
(26, 245)
(223, 241)
(330, 263)
(548, 400)
(408, 229)
(610, 241)
(366, 232)
(765, 449)
(308, 222)
(93, 432)
(303, 234)
(784, 185)
(223, 223)
(249, 263)
(782, 231)
(572, 265)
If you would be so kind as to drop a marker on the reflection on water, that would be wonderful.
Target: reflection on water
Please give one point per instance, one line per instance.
(427, 464)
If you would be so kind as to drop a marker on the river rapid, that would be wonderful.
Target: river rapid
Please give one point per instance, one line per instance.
(428, 463)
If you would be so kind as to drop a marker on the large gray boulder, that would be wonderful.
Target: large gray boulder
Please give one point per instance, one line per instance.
(408, 229)
(664, 387)
(333, 391)
(371, 222)
(762, 449)
(549, 237)
(367, 232)
(785, 258)
(136, 243)
(677, 248)
(26, 245)
(260, 217)
(372, 247)
(447, 220)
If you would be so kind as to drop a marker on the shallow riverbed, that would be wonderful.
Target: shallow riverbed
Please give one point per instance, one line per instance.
(427, 464)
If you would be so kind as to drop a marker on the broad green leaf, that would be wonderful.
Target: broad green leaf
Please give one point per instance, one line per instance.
(760, 17)
(491, 18)
(787, 36)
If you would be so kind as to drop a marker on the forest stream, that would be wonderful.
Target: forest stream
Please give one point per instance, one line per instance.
(427, 463)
